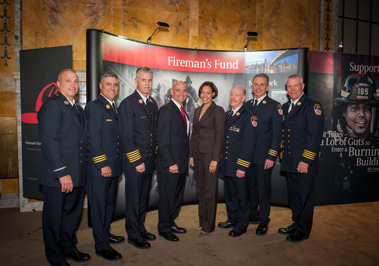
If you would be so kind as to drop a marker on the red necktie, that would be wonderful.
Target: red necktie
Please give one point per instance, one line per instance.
(184, 116)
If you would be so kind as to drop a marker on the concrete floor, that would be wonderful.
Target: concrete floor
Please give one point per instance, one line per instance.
(342, 235)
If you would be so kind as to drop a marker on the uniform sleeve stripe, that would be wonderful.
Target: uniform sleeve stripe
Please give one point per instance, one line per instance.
(309, 155)
(272, 152)
(99, 159)
(243, 163)
(133, 152)
(56, 170)
(133, 156)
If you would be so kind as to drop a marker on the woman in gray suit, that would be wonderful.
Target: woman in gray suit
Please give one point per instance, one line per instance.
(205, 149)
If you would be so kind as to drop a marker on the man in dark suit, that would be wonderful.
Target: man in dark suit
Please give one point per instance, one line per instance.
(172, 160)
(104, 164)
(137, 119)
(62, 169)
(270, 117)
(301, 137)
(237, 152)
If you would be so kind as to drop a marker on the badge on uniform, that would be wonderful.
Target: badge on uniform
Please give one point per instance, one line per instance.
(254, 121)
(318, 109)
(299, 103)
(108, 106)
(280, 110)
(234, 128)
(66, 102)
(264, 102)
(140, 101)
(238, 113)
(109, 120)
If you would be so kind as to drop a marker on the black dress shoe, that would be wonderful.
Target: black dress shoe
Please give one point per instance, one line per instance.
(262, 229)
(62, 263)
(225, 225)
(287, 230)
(178, 230)
(297, 236)
(109, 254)
(169, 236)
(236, 232)
(148, 236)
(139, 243)
(78, 256)
(254, 221)
(116, 239)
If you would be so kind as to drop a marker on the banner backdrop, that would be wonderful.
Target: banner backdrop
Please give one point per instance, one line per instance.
(39, 72)
(347, 86)
(224, 68)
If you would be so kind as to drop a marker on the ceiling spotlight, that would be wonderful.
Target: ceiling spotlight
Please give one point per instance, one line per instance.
(160, 25)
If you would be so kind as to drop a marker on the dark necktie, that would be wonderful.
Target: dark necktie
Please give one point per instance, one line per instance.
(291, 107)
(76, 108)
(114, 109)
(184, 115)
(230, 114)
(255, 103)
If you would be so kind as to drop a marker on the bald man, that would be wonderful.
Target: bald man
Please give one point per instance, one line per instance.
(172, 160)
(237, 152)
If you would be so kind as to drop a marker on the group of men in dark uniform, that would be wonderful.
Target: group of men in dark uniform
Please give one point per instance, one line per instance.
(263, 126)
(93, 146)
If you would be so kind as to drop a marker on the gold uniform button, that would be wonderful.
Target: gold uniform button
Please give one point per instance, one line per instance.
(226, 152)
(226, 158)
(227, 137)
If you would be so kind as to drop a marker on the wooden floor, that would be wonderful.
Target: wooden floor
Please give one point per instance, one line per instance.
(341, 235)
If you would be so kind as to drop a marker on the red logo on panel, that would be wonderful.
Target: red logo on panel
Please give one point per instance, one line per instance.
(31, 118)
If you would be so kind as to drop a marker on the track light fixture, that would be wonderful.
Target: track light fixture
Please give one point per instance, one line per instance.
(160, 25)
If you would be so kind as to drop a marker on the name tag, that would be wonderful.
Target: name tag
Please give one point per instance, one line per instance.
(109, 120)
(142, 117)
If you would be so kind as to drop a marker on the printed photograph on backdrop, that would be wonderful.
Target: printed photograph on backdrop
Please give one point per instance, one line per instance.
(347, 88)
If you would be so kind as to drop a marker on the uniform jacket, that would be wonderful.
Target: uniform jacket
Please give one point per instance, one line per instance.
(63, 135)
(105, 147)
(173, 141)
(208, 133)
(138, 129)
(270, 118)
(302, 131)
(240, 138)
